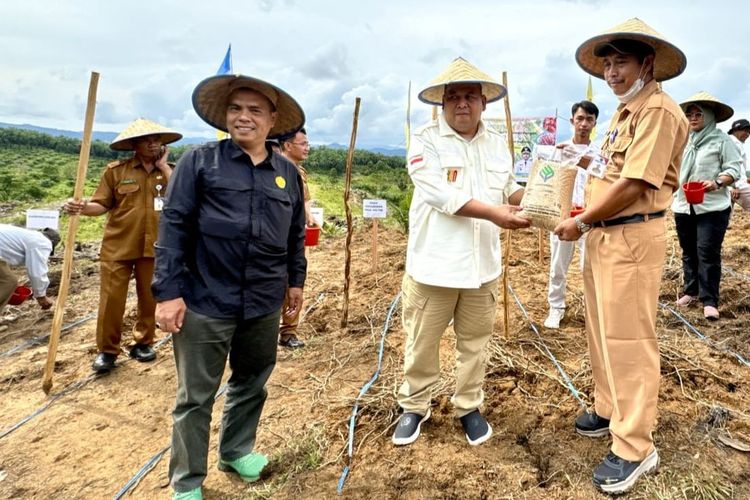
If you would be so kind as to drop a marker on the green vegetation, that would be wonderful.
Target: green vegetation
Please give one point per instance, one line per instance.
(38, 170)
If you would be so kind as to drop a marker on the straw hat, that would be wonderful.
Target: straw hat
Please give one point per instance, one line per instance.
(461, 71)
(141, 128)
(210, 99)
(721, 110)
(668, 63)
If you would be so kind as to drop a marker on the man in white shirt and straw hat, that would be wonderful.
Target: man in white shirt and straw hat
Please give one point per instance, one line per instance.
(131, 193)
(624, 225)
(231, 247)
(463, 191)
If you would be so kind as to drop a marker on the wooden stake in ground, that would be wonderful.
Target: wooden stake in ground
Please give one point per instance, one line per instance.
(348, 208)
(83, 161)
(375, 247)
(506, 254)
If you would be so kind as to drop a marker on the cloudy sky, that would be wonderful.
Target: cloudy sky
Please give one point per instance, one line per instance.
(151, 54)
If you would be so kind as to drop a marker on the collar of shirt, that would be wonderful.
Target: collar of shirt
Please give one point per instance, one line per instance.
(235, 152)
(446, 130)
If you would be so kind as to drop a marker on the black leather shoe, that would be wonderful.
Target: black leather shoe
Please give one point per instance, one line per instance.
(291, 341)
(104, 362)
(142, 353)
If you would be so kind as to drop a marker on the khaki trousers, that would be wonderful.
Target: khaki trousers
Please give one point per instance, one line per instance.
(8, 283)
(289, 323)
(115, 276)
(622, 274)
(426, 313)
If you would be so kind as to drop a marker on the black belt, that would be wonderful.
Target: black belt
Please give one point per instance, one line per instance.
(630, 219)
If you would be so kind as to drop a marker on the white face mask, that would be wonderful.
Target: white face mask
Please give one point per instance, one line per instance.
(637, 86)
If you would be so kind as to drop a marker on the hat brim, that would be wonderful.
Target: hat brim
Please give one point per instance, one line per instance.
(211, 96)
(722, 111)
(127, 144)
(434, 93)
(669, 60)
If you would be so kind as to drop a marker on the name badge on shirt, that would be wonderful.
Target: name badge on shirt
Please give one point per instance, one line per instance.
(158, 200)
(454, 175)
(598, 166)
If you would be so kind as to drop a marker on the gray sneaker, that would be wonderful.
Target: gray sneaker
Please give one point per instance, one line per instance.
(407, 430)
(592, 425)
(477, 429)
(616, 475)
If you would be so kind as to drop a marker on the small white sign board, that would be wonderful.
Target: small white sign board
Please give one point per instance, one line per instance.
(39, 219)
(317, 214)
(374, 209)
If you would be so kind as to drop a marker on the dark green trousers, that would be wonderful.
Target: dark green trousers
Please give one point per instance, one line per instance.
(200, 350)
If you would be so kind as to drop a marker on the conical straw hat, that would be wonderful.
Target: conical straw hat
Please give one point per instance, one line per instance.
(668, 63)
(141, 128)
(721, 110)
(210, 99)
(461, 71)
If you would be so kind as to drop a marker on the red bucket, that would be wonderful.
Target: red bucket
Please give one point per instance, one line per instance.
(312, 235)
(576, 210)
(694, 192)
(20, 295)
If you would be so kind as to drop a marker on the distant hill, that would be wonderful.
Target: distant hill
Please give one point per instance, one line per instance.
(97, 136)
(109, 137)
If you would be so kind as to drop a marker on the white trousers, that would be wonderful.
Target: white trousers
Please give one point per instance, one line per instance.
(561, 255)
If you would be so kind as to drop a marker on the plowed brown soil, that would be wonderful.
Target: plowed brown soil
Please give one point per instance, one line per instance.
(91, 441)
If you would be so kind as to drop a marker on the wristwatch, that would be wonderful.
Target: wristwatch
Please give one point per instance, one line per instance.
(582, 226)
(719, 183)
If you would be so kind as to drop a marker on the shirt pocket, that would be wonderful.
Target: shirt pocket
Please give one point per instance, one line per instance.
(497, 179)
(227, 198)
(452, 170)
(127, 194)
(276, 218)
(619, 147)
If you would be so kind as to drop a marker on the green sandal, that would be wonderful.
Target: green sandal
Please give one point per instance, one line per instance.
(194, 494)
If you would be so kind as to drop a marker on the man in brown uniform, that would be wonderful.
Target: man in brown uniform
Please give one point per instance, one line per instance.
(295, 148)
(131, 191)
(625, 244)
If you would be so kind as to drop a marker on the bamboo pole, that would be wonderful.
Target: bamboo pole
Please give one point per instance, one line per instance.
(83, 161)
(506, 254)
(349, 228)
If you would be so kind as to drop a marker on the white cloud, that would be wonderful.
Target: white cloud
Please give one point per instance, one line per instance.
(152, 54)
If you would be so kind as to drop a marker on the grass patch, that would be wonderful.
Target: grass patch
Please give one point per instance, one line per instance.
(302, 453)
(693, 486)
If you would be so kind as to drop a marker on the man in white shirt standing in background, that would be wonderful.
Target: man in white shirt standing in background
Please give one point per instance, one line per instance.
(25, 247)
(463, 190)
(583, 118)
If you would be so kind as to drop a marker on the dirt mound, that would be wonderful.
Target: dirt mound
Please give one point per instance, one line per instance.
(91, 441)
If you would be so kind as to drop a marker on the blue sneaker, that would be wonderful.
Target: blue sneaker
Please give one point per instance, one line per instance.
(248, 467)
(195, 494)
(616, 475)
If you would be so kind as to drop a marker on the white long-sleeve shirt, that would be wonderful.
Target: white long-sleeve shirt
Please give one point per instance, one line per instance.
(24, 247)
(743, 170)
(447, 171)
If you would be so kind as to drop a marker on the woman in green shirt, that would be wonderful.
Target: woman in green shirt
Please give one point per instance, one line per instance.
(711, 159)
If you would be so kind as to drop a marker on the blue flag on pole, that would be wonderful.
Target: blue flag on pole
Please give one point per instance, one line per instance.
(226, 64)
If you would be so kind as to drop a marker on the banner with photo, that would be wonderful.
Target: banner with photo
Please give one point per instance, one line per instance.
(528, 134)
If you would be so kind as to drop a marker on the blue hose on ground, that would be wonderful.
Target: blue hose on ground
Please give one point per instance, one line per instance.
(365, 388)
(703, 337)
(566, 378)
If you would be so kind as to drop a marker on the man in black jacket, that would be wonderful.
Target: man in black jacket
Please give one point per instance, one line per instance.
(231, 238)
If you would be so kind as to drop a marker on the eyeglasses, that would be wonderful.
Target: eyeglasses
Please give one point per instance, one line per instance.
(303, 144)
(696, 114)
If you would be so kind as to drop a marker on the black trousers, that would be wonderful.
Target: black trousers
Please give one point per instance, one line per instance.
(701, 237)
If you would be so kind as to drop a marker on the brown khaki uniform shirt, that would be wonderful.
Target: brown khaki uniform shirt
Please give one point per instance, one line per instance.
(303, 175)
(645, 141)
(128, 192)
